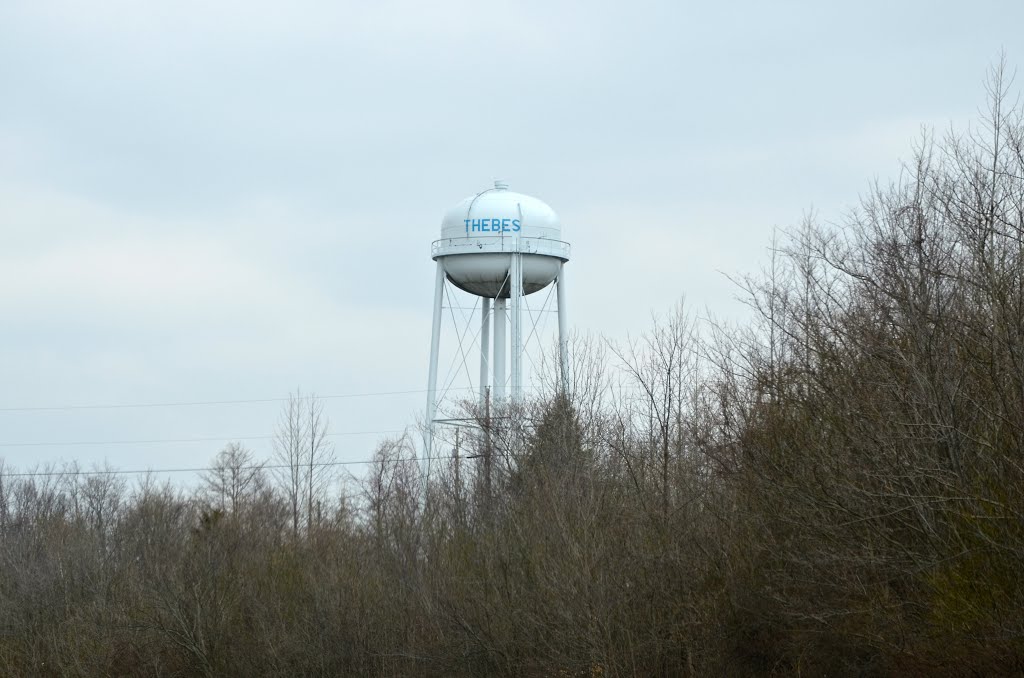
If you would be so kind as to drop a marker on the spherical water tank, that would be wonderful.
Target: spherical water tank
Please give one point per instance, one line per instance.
(479, 235)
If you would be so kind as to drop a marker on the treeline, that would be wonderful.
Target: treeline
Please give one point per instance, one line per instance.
(836, 489)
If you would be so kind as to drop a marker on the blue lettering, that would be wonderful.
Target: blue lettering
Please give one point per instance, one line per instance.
(493, 225)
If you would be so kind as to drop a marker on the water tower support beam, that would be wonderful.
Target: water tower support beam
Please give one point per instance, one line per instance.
(435, 341)
(517, 326)
(485, 347)
(499, 349)
(563, 331)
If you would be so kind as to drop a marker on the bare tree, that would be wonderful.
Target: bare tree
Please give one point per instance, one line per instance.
(4, 496)
(662, 366)
(289, 448)
(304, 459)
(318, 459)
(234, 475)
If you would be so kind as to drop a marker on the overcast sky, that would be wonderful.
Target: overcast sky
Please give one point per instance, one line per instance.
(231, 200)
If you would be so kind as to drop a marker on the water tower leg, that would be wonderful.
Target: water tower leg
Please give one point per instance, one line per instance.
(517, 326)
(563, 331)
(499, 349)
(435, 340)
(485, 347)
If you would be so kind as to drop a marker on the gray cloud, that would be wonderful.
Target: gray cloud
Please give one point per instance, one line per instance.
(226, 200)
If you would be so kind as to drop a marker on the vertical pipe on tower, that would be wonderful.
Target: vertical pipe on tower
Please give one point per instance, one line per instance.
(435, 341)
(499, 348)
(485, 347)
(563, 331)
(517, 325)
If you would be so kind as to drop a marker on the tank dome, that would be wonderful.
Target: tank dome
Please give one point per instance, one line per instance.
(480, 233)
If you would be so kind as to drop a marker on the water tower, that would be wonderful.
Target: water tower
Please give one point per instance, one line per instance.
(500, 246)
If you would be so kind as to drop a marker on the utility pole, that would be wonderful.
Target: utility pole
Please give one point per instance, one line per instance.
(488, 448)
(458, 480)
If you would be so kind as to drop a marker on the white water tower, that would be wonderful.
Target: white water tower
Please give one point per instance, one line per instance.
(498, 245)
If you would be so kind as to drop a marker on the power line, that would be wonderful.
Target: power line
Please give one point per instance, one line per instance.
(191, 403)
(200, 469)
(204, 403)
(74, 443)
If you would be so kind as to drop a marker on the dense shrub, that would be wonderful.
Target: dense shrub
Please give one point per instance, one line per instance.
(835, 489)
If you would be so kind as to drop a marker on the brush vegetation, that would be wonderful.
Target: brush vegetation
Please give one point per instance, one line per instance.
(835, 488)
